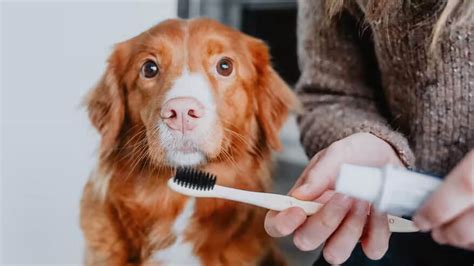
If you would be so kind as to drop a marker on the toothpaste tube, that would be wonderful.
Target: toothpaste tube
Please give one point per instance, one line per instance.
(390, 189)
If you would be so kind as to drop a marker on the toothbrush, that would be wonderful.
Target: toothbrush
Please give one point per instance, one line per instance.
(200, 184)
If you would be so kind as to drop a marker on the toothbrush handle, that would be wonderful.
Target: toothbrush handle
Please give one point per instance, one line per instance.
(278, 202)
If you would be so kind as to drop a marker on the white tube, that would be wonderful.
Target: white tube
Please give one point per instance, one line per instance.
(393, 190)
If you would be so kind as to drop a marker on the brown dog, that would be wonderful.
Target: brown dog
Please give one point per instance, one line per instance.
(184, 93)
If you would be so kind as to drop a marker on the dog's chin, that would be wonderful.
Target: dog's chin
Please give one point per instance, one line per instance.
(180, 158)
(183, 150)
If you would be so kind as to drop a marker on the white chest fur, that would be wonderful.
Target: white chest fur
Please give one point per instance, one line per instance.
(180, 253)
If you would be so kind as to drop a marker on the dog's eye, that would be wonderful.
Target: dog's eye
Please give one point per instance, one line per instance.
(224, 67)
(149, 69)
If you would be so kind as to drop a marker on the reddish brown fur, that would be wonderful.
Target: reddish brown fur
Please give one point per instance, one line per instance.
(131, 218)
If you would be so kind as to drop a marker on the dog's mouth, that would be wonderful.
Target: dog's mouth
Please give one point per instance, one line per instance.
(185, 149)
(186, 157)
(182, 149)
(186, 146)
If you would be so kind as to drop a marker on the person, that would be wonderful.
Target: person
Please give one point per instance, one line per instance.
(385, 82)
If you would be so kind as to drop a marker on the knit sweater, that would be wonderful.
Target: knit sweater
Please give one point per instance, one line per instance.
(380, 77)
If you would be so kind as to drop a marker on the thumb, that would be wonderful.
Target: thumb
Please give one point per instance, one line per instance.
(319, 178)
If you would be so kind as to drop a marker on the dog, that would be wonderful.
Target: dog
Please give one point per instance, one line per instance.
(191, 93)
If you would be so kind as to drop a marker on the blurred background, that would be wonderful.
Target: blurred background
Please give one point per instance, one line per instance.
(51, 54)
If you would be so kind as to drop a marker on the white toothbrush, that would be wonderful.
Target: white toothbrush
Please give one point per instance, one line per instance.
(195, 183)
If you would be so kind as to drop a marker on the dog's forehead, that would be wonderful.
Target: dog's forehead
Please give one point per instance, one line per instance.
(211, 33)
(189, 43)
(194, 33)
(173, 27)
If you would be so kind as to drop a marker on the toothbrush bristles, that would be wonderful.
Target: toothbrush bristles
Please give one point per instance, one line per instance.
(194, 179)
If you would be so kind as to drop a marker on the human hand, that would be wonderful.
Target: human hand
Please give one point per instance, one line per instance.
(449, 211)
(342, 221)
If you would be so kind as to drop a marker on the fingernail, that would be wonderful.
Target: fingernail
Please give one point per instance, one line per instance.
(302, 190)
(302, 243)
(342, 199)
(361, 208)
(283, 228)
(285, 224)
(422, 223)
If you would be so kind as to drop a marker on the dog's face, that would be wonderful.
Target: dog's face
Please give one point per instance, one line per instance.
(189, 92)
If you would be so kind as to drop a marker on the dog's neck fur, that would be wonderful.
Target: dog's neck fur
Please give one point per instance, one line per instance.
(144, 204)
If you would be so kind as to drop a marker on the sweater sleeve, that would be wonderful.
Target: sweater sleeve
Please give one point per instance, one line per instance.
(334, 88)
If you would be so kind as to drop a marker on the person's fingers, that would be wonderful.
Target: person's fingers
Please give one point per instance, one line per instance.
(377, 235)
(322, 224)
(319, 177)
(459, 232)
(326, 196)
(304, 174)
(438, 236)
(279, 224)
(454, 196)
(340, 245)
(324, 168)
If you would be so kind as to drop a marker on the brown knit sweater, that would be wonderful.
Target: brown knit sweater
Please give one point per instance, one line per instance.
(377, 77)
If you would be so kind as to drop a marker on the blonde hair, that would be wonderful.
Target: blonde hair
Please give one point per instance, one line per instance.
(459, 11)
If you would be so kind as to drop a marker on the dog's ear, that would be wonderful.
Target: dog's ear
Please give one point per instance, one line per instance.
(274, 99)
(106, 102)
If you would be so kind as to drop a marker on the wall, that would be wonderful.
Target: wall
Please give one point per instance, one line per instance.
(51, 54)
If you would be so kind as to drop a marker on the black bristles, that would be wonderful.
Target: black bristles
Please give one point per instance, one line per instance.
(194, 179)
